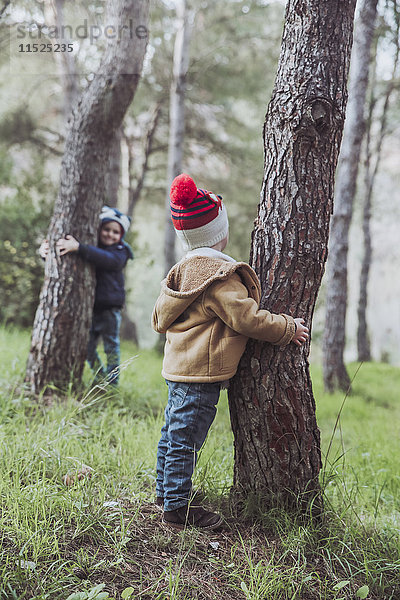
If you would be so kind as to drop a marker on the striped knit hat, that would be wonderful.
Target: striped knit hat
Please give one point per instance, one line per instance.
(199, 217)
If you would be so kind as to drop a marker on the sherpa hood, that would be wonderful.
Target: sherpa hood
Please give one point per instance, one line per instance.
(189, 278)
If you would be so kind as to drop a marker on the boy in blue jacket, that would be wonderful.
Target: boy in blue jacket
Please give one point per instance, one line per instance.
(109, 257)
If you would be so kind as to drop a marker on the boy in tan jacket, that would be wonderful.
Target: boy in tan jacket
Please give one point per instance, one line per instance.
(208, 308)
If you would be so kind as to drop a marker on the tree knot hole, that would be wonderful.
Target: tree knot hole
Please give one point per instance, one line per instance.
(320, 111)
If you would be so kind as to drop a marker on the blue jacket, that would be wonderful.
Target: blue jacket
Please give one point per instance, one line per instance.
(109, 262)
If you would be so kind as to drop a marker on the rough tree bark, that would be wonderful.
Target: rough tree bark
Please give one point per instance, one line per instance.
(60, 330)
(277, 441)
(176, 120)
(335, 373)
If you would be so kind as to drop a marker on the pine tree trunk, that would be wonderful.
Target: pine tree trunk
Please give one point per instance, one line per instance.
(60, 330)
(335, 373)
(176, 121)
(277, 441)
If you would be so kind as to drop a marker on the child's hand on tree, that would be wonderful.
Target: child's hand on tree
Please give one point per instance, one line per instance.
(44, 249)
(301, 334)
(67, 244)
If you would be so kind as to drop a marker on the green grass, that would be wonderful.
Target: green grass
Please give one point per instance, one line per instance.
(101, 537)
(367, 477)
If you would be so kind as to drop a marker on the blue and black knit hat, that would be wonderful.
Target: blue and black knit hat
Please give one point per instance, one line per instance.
(113, 214)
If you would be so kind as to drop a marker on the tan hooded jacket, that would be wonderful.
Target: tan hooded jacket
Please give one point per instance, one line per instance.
(208, 308)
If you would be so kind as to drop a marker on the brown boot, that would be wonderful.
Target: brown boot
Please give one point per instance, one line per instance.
(192, 516)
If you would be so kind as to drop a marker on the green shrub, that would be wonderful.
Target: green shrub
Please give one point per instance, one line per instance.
(24, 217)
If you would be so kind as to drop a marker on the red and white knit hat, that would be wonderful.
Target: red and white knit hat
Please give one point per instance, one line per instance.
(199, 217)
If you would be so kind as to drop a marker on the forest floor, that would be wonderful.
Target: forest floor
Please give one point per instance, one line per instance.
(101, 536)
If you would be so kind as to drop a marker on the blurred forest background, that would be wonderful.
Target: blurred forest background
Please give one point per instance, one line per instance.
(233, 53)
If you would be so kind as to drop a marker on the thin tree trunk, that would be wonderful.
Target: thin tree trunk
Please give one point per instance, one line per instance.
(335, 373)
(176, 120)
(136, 184)
(112, 176)
(363, 339)
(277, 441)
(66, 63)
(60, 330)
(128, 329)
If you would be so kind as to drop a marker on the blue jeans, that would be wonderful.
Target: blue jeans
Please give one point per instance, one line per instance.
(190, 411)
(105, 324)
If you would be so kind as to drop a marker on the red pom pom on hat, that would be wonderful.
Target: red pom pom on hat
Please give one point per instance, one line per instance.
(183, 190)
